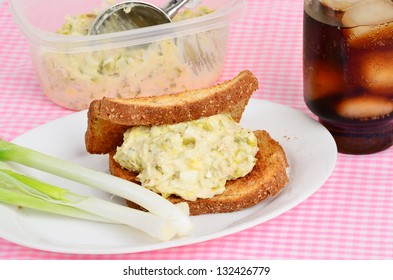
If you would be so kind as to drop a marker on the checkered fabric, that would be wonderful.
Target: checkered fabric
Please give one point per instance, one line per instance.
(349, 217)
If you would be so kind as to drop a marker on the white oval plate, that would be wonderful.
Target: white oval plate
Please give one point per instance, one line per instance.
(310, 149)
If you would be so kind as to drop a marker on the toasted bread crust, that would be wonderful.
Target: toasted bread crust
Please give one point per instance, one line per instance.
(266, 179)
(102, 135)
(109, 118)
(182, 106)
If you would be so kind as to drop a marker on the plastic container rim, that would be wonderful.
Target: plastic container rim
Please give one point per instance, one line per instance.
(59, 42)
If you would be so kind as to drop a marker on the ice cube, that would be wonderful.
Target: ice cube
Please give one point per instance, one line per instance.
(373, 71)
(365, 107)
(324, 79)
(339, 5)
(368, 12)
(369, 37)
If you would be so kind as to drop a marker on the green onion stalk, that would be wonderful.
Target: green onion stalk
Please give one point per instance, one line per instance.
(163, 219)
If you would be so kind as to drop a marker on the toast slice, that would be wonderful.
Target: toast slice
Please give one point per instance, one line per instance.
(102, 136)
(109, 118)
(267, 178)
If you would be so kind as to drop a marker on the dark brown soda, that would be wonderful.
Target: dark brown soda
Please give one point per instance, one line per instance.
(330, 77)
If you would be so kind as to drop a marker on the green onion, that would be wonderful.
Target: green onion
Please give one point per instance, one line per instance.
(15, 192)
(25, 191)
(162, 212)
(23, 200)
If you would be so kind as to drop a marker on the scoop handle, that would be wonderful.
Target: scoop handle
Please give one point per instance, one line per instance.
(173, 7)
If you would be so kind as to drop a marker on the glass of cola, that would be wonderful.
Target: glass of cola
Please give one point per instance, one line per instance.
(348, 71)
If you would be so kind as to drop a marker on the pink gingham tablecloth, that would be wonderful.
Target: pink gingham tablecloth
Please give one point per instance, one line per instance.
(349, 217)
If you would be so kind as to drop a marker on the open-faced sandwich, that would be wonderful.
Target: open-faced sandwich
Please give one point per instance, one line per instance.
(189, 146)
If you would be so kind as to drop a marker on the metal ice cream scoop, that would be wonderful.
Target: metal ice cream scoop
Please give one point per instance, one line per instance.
(131, 15)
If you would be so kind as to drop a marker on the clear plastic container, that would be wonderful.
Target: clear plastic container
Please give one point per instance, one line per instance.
(167, 58)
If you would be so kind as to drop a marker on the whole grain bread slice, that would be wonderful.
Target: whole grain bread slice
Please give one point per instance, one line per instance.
(267, 178)
(182, 106)
(102, 136)
(109, 118)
